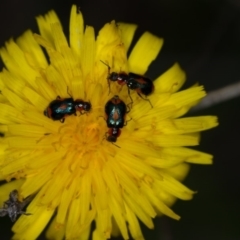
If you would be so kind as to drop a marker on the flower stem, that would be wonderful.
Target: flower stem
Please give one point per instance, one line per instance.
(217, 96)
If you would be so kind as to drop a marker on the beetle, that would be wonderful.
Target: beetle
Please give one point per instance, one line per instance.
(113, 134)
(82, 106)
(141, 84)
(62, 107)
(115, 110)
(13, 207)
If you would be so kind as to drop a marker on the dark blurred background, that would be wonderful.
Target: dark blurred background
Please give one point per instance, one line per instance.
(204, 37)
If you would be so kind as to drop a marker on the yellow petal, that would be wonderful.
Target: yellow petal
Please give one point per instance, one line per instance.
(37, 222)
(16, 101)
(127, 33)
(134, 226)
(49, 46)
(47, 91)
(85, 234)
(61, 66)
(21, 142)
(103, 223)
(144, 52)
(41, 120)
(125, 179)
(71, 61)
(66, 198)
(78, 87)
(10, 115)
(57, 80)
(88, 54)
(137, 149)
(99, 188)
(133, 162)
(162, 207)
(108, 45)
(119, 217)
(145, 218)
(174, 140)
(85, 196)
(97, 235)
(44, 25)
(59, 38)
(174, 187)
(32, 50)
(15, 61)
(111, 181)
(26, 130)
(171, 80)
(186, 97)
(14, 83)
(188, 155)
(37, 100)
(32, 184)
(55, 231)
(163, 162)
(179, 172)
(186, 125)
(76, 27)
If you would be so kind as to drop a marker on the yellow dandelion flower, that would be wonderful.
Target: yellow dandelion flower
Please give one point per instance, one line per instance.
(76, 175)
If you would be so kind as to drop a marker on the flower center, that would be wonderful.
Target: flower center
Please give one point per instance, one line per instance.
(81, 133)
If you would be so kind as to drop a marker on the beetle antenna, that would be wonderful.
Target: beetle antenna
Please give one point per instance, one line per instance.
(125, 124)
(109, 69)
(69, 92)
(115, 144)
(129, 94)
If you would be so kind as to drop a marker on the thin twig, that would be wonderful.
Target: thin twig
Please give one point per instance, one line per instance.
(217, 96)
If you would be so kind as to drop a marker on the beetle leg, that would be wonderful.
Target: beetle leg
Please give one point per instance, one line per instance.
(129, 94)
(109, 69)
(146, 99)
(125, 124)
(129, 108)
(69, 92)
